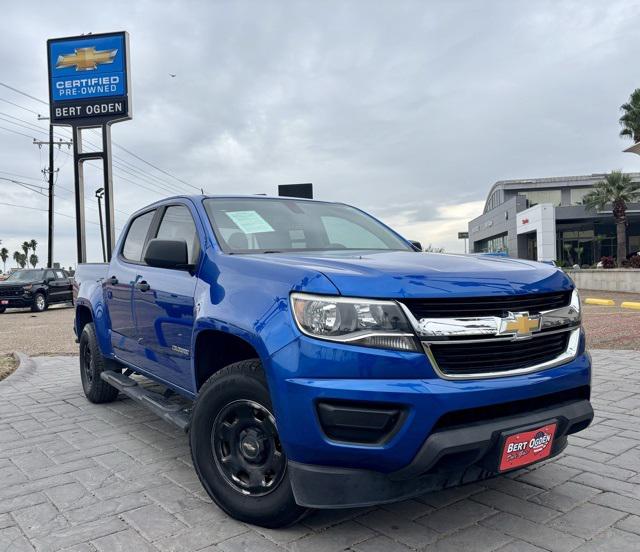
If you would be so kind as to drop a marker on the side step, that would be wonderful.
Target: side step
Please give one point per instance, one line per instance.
(171, 412)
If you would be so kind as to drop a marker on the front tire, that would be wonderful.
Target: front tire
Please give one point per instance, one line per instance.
(39, 303)
(236, 450)
(92, 364)
(2, 309)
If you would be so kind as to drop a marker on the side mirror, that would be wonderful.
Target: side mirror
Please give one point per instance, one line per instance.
(416, 244)
(167, 254)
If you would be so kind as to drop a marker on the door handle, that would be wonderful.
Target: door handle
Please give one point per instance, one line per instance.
(113, 281)
(143, 286)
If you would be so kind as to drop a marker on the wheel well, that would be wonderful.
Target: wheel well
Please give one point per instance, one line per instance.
(83, 317)
(215, 350)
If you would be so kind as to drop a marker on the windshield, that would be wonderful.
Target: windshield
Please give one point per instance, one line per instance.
(26, 275)
(247, 225)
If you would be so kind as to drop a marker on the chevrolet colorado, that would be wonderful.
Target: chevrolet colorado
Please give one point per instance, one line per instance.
(317, 359)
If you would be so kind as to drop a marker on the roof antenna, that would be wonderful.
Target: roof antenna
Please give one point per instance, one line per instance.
(202, 191)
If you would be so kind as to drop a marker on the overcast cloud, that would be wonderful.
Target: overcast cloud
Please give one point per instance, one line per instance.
(410, 110)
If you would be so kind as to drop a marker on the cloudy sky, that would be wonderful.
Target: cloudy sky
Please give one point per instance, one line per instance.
(410, 110)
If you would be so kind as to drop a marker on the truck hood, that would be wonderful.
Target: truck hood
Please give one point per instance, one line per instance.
(398, 274)
(13, 283)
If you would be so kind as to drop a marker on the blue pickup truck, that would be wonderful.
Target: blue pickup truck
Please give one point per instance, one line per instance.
(318, 359)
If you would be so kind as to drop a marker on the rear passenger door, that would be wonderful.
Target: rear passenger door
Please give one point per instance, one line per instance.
(66, 290)
(163, 302)
(118, 286)
(55, 287)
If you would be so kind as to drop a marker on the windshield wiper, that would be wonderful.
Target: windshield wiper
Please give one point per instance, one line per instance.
(272, 251)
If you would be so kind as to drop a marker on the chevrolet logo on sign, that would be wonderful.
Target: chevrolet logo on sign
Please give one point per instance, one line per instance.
(519, 324)
(86, 59)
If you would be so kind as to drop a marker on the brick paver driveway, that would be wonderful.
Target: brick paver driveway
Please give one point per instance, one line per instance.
(82, 477)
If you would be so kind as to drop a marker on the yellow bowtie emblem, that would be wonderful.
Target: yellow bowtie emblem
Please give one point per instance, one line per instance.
(86, 59)
(522, 325)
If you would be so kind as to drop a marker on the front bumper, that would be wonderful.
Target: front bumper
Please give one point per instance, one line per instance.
(447, 458)
(16, 302)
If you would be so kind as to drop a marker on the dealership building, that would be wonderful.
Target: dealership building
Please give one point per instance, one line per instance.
(543, 219)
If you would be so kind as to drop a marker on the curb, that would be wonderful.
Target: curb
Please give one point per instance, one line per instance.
(601, 302)
(630, 305)
(26, 367)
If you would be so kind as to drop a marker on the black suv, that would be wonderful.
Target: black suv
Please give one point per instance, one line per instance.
(35, 288)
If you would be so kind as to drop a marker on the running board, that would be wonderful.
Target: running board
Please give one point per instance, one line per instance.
(171, 412)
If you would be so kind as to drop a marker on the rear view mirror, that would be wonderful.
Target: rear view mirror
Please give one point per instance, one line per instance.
(167, 254)
(416, 244)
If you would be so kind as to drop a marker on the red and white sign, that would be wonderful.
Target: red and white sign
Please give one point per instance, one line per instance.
(527, 447)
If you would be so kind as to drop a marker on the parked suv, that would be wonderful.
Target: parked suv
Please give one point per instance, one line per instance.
(319, 360)
(35, 288)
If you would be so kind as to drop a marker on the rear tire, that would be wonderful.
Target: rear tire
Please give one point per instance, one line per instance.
(2, 309)
(39, 303)
(92, 364)
(236, 450)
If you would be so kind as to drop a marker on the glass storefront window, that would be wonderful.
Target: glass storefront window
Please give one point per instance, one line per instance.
(534, 197)
(496, 244)
(577, 195)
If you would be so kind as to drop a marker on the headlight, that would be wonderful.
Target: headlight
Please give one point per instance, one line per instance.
(365, 322)
(575, 302)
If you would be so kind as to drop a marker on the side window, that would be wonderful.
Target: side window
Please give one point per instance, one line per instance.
(60, 275)
(134, 242)
(177, 224)
(49, 275)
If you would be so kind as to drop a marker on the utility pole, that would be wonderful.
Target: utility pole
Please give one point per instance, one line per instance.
(100, 195)
(51, 174)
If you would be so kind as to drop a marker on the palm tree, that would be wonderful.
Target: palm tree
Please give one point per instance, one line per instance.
(20, 259)
(33, 260)
(4, 255)
(25, 247)
(630, 118)
(33, 244)
(616, 190)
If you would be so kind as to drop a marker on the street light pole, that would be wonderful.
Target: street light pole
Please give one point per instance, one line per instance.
(100, 195)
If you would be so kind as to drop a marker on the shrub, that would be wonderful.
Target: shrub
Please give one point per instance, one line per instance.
(608, 262)
(634, 262)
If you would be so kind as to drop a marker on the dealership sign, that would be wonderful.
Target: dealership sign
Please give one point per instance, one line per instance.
(89, 79)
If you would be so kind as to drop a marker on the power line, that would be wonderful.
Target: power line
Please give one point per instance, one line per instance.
(19, 106)
(135, 155)
(25, 185)
(23, 93)
(22, 176)
(43, 210)
(30, 136)
(155, 166)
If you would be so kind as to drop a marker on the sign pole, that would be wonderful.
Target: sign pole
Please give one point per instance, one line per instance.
(108, 190)
(50, 230)
(78, 173)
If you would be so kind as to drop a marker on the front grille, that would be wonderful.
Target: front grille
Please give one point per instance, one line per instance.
(486, 306)
(498, 356)
(10, 291)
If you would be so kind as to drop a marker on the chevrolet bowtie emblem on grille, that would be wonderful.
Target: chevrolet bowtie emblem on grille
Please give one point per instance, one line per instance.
(519, 324)
(86, 59)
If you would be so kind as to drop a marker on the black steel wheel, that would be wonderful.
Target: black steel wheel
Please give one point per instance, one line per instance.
(247, 448)
(92, 364)
(236, 450)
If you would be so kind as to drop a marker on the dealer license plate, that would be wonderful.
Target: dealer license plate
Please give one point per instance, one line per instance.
(527, 447)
